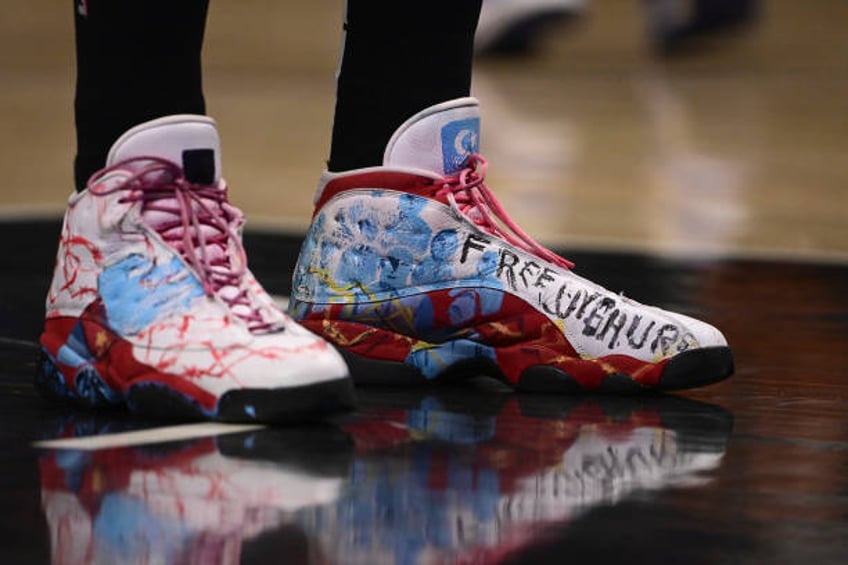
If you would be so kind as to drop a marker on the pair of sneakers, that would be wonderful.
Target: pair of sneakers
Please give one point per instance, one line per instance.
(410, 272)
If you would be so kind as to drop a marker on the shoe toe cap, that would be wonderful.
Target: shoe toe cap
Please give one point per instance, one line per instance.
(293, 360)
(705, 335)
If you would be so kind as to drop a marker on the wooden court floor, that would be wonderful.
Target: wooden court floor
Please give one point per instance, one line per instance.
(712, 184)
(750, 470)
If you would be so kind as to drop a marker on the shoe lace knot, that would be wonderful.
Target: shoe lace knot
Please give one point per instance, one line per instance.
(467, 194)
(197, 221)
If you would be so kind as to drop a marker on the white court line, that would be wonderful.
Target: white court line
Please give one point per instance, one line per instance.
(152, 435)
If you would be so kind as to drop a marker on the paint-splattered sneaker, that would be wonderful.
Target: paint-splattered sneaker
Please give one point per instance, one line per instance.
(152, 303)
(416, 272)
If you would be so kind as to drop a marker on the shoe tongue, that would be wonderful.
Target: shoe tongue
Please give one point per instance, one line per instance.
(439, 139)
(191, 142)
(187, 140)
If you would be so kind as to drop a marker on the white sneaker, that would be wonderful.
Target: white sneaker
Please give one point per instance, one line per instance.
(416, 272)
(152, 302)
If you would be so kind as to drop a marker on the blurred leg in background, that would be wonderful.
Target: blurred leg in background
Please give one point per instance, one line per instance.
(520, 27)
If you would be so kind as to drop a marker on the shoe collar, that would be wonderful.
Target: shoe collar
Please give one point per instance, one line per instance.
(188, 140)
(432, 144)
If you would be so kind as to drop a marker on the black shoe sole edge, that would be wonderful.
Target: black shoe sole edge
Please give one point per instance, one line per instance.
(157, 401)
(698, 367)
(690, 369)
(270, 406)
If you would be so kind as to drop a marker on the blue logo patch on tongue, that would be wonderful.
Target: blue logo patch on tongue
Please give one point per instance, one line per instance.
(460, 139)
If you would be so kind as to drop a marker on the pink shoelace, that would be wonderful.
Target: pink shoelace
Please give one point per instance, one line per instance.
(194, 219)
(467, 193)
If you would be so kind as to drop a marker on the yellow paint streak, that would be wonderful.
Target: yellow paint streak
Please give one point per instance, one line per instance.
(339, 338)
(100, 342)
(502, 328)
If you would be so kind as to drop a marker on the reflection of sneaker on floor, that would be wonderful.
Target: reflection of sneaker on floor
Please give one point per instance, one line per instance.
(152, 302)
(200, 501)
(470, 483)
(515, 26)
(416, 271)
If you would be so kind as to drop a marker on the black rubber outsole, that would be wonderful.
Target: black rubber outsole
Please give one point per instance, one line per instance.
(281, 405)
(156, 401)
(690, 369)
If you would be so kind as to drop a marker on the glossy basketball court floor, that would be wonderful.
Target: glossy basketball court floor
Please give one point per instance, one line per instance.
(713, 184)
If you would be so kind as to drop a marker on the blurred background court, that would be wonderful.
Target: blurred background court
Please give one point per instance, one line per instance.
(738, 147)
